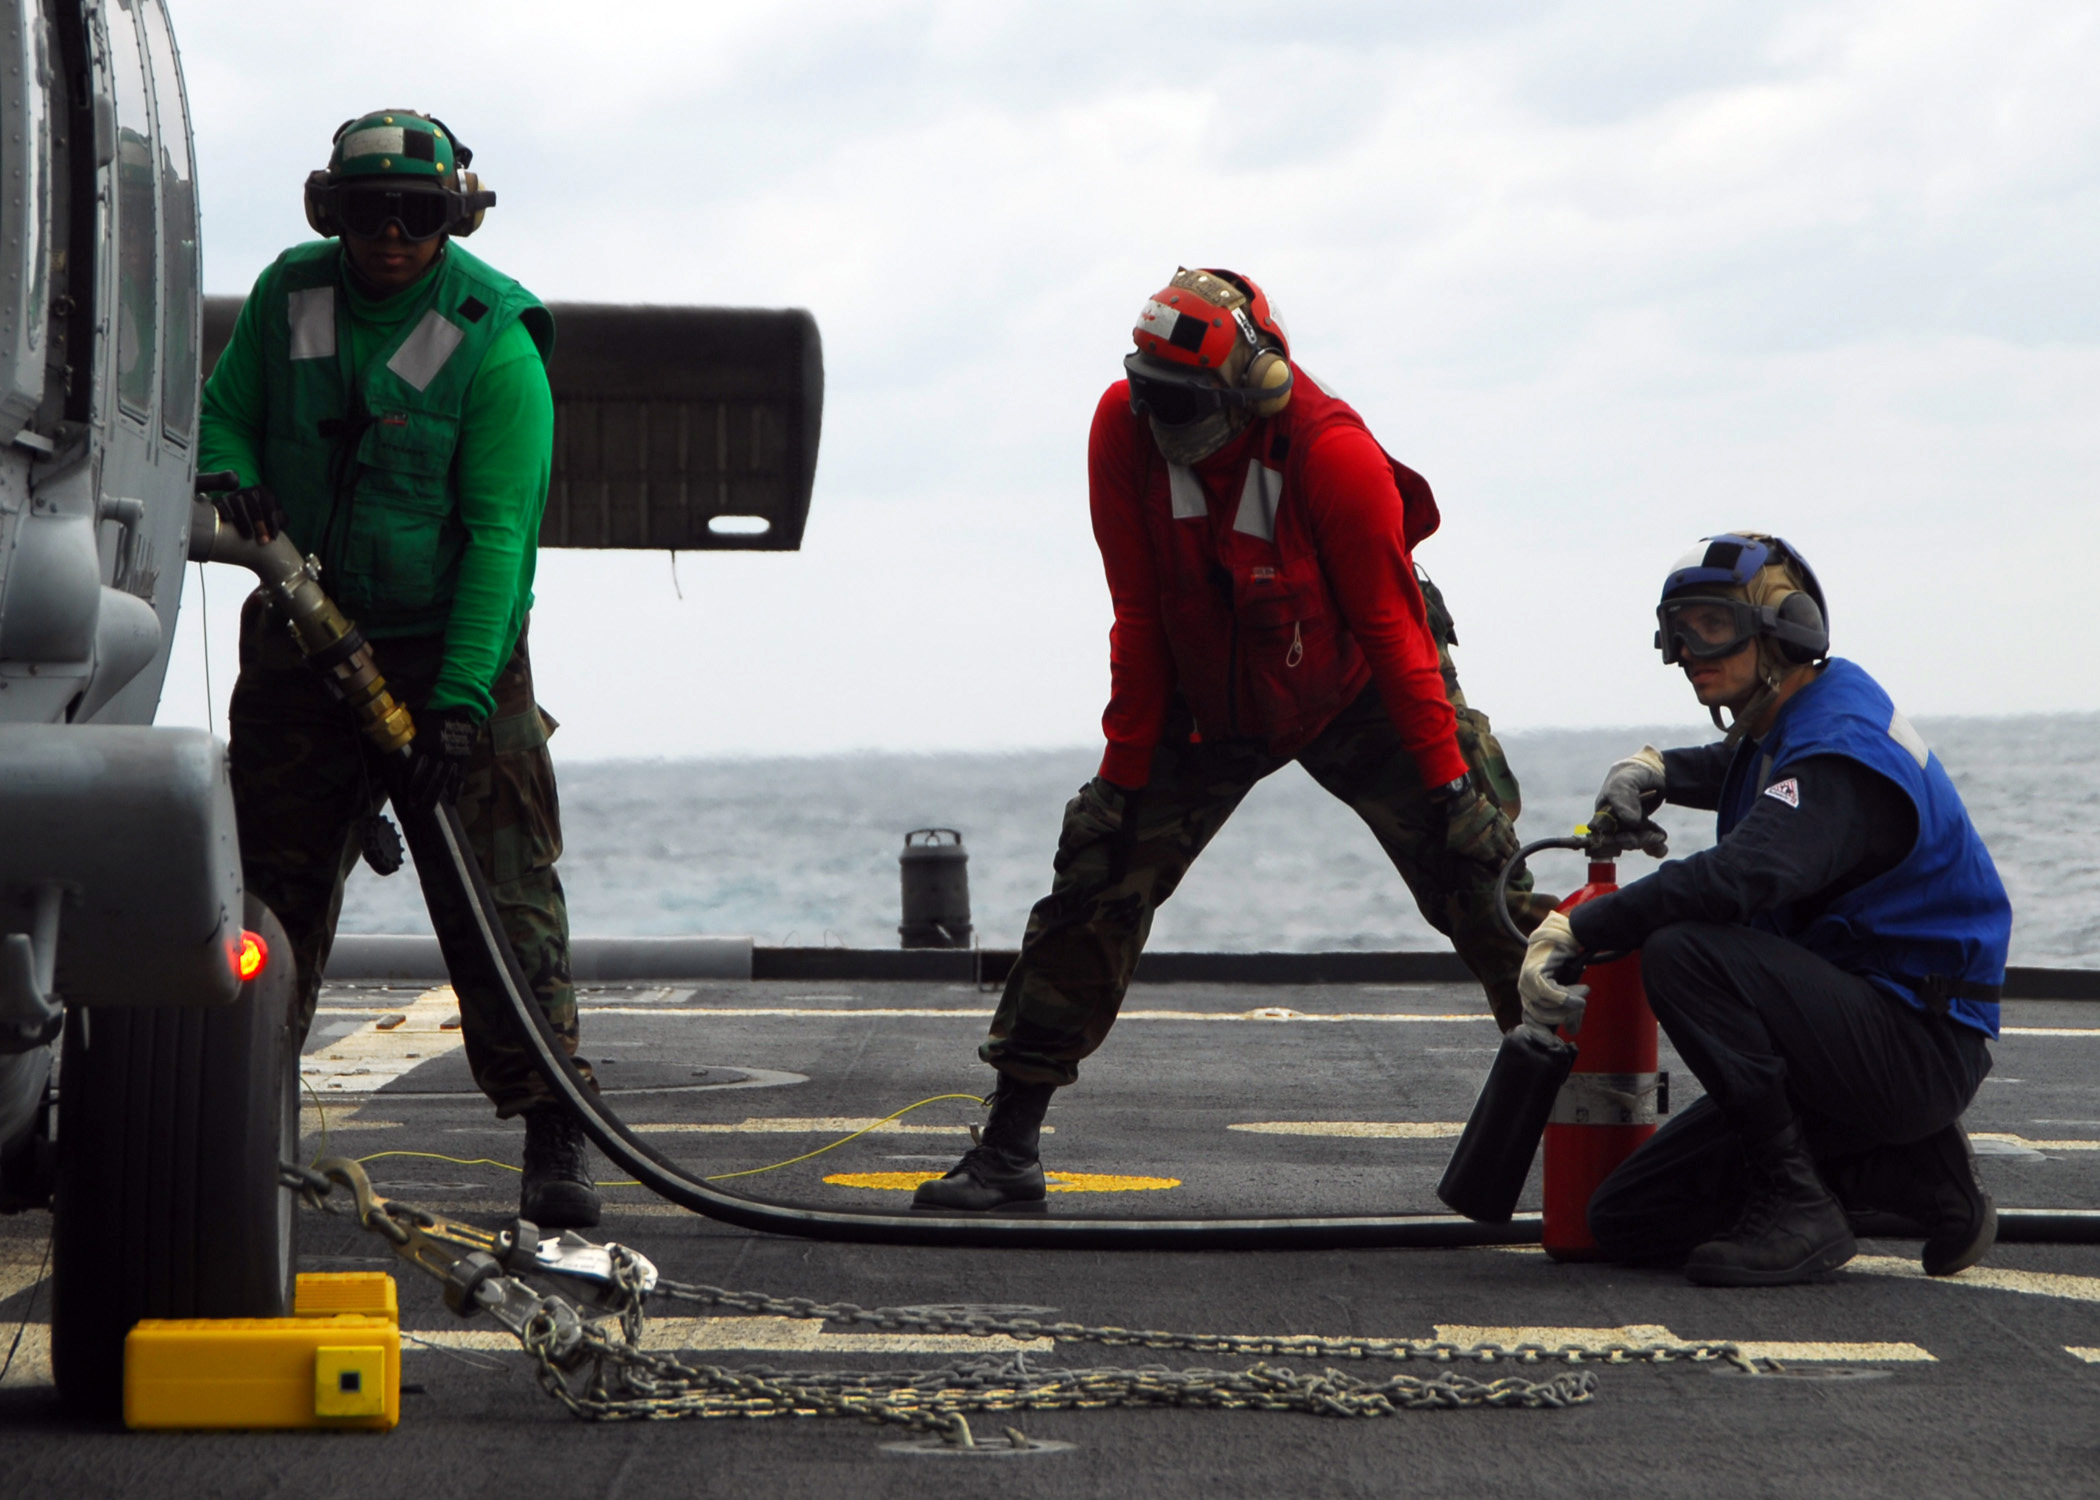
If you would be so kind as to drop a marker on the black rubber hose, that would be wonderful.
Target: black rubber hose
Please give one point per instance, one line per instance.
(1570, 969)
(1510, 867)
(455, 888)
(461, 903)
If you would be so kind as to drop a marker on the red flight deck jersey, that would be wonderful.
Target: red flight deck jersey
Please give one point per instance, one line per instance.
(1267, 584)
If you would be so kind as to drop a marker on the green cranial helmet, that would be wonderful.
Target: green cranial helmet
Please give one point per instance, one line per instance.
(396, 143)
(396, 167)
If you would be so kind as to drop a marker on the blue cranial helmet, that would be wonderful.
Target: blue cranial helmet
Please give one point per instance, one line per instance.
(1735, 587)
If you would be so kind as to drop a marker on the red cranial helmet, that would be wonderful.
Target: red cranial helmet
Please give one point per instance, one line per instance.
(1208, 342)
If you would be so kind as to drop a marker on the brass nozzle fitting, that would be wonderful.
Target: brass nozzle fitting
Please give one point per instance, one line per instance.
(330, 641)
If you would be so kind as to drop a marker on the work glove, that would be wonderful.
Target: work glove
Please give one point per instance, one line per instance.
(1633, 789)
(1474, 828)
(438, 758)
(1548, 1002)
(253, 512)
(1102, 815)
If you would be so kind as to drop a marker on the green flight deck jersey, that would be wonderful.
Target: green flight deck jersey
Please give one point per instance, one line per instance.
(409, 439)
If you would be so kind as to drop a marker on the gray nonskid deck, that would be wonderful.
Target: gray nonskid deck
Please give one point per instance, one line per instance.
(1983, 1391)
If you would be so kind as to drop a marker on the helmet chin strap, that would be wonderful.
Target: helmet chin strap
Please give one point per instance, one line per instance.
(1770, 683)
(1745, 717)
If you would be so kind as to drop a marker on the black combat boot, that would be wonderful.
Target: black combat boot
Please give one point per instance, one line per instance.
(1004, 1169)
(1930, 1188)
(1790, 1229)
(557, 1193)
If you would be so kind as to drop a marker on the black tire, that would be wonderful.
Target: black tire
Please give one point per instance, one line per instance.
(172, 1123)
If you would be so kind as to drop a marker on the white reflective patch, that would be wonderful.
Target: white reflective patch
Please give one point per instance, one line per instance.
(312, 314)
(1185, 490)
(378, 140)
(1325, 389)
(1158, 319)
(1787, 791)
(1902, 733)
(1259, 497)
(425, 351)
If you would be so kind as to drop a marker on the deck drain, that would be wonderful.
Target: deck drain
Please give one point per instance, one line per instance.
(1772, 1370)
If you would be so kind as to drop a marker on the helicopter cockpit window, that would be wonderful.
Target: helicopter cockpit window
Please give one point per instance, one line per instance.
(25, 216)
(178, 201)
(136, 231)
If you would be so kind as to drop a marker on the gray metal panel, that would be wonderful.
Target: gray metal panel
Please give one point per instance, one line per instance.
(666, 418)
(136, 827)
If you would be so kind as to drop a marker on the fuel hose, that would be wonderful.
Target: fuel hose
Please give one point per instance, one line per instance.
(477, 951)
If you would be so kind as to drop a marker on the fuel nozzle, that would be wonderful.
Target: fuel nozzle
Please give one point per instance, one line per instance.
(328, 639)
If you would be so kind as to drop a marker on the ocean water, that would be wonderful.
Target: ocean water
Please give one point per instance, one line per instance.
(803, 850)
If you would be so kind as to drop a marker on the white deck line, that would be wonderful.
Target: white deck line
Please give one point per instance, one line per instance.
(1987, 1278)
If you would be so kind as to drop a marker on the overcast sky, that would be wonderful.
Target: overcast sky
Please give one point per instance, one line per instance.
(1611, 276)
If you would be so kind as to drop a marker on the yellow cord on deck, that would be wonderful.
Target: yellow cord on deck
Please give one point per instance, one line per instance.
(483, 1161)
(842, 1140)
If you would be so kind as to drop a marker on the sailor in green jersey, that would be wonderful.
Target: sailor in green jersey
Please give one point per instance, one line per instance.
(384, 402)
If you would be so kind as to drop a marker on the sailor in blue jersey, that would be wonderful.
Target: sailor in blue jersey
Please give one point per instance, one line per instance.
(1830, 970)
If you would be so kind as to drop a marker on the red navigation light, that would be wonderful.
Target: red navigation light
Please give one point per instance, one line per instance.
(254, 954)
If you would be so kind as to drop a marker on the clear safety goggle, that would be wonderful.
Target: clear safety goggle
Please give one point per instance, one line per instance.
(1706, 629)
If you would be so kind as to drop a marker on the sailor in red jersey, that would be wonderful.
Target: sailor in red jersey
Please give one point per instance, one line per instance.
(1258, 544)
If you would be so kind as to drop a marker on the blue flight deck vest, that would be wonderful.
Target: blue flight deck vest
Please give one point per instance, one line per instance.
(1933, 930)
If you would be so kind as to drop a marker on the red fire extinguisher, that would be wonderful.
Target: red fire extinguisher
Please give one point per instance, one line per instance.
(1609, 1103)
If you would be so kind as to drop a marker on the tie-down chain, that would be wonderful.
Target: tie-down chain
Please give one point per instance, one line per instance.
(587, 1345)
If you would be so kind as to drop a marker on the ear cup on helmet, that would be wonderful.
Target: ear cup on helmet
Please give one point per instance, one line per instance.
(469, 184)
(1269, 372)
(1804, 637)
(317, 211)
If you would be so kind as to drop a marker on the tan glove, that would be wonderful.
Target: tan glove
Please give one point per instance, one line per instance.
(1548, 1002)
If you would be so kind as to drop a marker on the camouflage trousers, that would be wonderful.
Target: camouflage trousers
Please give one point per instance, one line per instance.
(304, 781)
(1117, 864)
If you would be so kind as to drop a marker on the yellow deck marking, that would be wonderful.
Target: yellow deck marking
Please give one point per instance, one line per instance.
(1813, 1353)
(20, 1269)
(1268, 1013)
(458, 1206)
(2049, 1031)
(2021, 1140)
(2090, 1356)
(1275, 1013)
(368, 1059)
(344, 1113)
(1655, 1333)
(2028, 1283)
(1058, 1182)
(767, 1335)
(812, 1125)
(1399, 1130)
(32, 1364)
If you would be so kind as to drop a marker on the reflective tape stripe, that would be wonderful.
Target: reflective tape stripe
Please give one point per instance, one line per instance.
(312, 314)
(1605, 1099)
(425, 351)
(1259, 497)
(1186, 492)
(375, 140)
(1902, 733)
